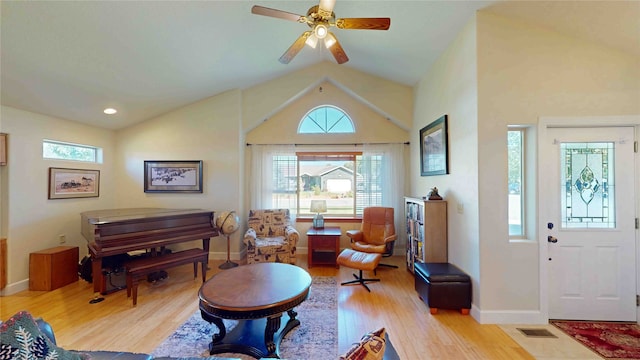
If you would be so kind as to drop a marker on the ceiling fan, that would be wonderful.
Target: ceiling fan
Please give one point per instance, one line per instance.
(320, 18)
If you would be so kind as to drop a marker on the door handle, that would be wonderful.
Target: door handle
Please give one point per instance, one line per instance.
(552, 239)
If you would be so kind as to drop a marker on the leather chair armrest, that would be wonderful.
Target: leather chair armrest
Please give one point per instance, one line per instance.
(292, 235)
(354, 235)
(250, 237)
(391, 238)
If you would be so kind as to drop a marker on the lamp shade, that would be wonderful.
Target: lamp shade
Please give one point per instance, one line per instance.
(318, 206)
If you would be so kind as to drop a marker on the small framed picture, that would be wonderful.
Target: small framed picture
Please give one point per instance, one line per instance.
(173, 176)
(434, 148)
(73, 183)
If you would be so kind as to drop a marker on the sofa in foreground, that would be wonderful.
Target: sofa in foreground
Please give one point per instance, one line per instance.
(23, 337)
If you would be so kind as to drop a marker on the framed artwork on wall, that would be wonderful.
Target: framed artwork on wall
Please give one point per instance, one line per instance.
(434, 148)
(73, 183)
(173, 176)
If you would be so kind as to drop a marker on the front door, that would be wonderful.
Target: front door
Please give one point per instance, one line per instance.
(590, 203)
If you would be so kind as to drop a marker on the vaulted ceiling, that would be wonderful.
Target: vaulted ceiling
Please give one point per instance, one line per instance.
(72, 59)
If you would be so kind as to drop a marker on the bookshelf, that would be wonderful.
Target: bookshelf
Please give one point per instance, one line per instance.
(426, 227)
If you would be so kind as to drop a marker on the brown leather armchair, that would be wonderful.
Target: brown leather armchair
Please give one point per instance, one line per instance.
(377, 233)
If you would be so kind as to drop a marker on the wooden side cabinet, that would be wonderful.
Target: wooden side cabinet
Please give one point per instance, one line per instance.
(324, 246)
(53, 268)
(3, 149)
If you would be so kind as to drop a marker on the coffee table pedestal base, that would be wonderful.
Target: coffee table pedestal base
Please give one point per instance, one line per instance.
(259, 338)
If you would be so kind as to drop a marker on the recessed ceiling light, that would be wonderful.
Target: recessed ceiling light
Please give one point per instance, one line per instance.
(110, 111)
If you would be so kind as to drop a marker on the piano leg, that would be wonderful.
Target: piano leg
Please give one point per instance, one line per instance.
(99, 280)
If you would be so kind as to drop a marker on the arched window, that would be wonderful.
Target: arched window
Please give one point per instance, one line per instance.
(325, 119)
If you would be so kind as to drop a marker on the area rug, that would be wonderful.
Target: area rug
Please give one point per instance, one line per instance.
(315, 337)
(609, 339)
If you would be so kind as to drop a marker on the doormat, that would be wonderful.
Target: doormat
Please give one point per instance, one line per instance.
(610, 340)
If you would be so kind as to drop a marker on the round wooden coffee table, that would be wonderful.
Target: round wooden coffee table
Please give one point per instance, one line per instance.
(257, 295)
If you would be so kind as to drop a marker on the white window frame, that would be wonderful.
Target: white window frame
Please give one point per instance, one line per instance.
(324, 126)
(97, 152)
(523, 184)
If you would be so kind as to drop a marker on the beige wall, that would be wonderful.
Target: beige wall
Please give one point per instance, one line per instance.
(392, 100)
(31, 222)
(208, 130)
(371, 127)
(450, 87)
(526, 72)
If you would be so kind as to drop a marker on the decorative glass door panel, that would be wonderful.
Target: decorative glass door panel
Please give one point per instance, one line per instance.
(589, 201)
(587, 185)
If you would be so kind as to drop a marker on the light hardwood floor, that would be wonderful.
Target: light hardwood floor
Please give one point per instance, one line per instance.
(114, 324)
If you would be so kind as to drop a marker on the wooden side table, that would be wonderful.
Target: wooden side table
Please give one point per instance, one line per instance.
(324, 246)
(53, 268)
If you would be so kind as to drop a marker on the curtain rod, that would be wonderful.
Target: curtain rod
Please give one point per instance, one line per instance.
(354, 144)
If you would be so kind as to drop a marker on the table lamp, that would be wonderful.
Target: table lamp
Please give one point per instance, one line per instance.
(318, 206)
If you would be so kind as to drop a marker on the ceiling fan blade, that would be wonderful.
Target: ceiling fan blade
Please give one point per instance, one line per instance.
(325, 9)
(295, 48)
(364, 23)
(261, 10)
(338, 52)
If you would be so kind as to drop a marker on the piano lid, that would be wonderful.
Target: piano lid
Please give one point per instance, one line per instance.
(96, 217)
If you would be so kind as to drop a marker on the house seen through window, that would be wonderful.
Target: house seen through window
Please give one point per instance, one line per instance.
(348, 182)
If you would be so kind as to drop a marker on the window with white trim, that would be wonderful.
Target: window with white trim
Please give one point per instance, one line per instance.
(347, 181)
(516, 205)
(67, 151)
(326, 119)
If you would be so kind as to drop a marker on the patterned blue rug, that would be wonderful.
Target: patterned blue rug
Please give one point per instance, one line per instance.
(315, 338)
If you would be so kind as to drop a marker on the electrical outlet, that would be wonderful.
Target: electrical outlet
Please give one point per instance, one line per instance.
(62, 238)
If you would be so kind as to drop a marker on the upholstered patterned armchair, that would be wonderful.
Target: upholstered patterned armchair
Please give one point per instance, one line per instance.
(271, 237)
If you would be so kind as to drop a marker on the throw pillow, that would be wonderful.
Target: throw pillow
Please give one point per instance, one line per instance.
(370, 347)
(21, 339)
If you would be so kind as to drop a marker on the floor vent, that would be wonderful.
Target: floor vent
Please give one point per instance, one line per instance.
(539, 333)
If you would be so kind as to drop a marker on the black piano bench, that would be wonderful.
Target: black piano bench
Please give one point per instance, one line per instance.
(139, 268)
(444, 286)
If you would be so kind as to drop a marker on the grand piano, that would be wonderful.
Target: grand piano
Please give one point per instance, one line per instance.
(119, 231)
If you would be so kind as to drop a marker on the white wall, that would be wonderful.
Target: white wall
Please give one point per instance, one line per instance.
(30, 221)
(450, 87)
(501, 72)
(526, 72)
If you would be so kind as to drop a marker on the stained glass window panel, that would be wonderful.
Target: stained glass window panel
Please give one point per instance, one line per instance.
(587, 185)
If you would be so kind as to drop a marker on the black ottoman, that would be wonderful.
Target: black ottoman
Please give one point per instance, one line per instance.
(444, 286)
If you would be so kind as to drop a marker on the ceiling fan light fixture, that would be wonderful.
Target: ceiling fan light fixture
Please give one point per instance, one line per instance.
(321, 31)
(330, 40)
(312, 40)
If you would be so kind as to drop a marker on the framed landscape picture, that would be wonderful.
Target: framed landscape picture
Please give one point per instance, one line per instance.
(434, 148)
(73, 183)
(173, 176)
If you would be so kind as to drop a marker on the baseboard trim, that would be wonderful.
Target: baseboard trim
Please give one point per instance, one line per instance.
(15, 288)
(509, 317)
